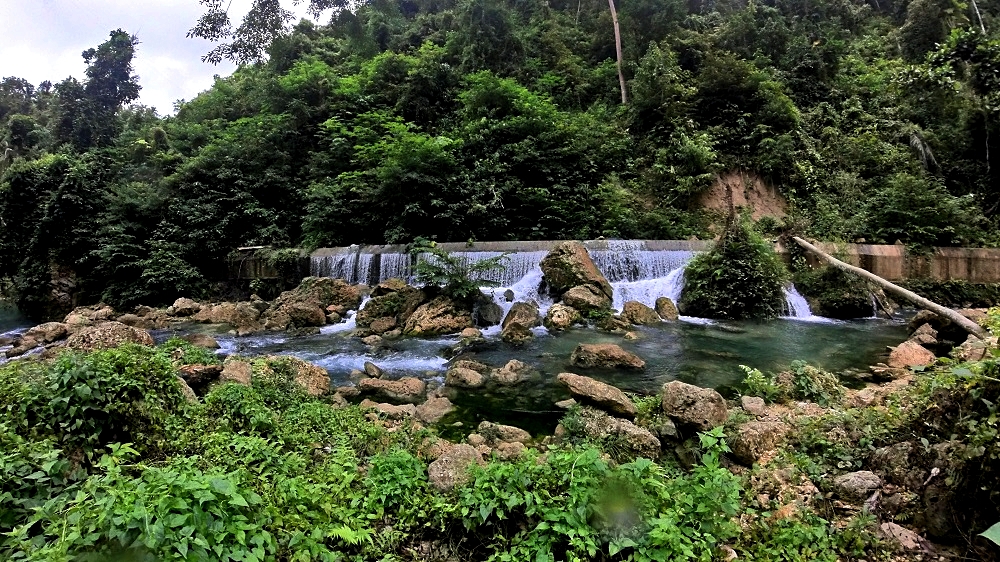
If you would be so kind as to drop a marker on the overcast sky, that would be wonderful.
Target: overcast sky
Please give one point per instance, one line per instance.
(43, 39)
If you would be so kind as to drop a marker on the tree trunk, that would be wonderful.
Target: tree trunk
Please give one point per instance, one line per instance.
(965, 323)
(618, 50)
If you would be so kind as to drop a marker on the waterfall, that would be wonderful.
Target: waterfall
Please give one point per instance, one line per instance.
(797, 308)
(647, 291)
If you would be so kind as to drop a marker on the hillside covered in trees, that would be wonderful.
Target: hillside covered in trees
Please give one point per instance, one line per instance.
(489, 120)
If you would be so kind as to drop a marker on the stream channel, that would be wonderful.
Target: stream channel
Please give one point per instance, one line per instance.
(703, 352)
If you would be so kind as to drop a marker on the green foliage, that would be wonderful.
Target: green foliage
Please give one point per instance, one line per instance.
(741, 277)
(87, 402)
(801, 382)
(921, 212)
(185, 353)
(458, 277)
(759, 384)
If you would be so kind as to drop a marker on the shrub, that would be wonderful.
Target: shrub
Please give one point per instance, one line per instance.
(740, 278)
(121, 395)
(458, 277)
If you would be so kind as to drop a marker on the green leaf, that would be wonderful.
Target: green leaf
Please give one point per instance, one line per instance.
(993, 533)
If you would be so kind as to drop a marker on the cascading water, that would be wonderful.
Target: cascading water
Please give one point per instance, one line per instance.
(634, 271)
(796, 306)
(647, 291)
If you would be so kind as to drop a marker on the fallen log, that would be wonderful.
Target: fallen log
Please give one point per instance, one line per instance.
(965, 323)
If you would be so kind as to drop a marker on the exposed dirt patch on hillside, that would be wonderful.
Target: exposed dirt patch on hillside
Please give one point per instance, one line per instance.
(749, 191)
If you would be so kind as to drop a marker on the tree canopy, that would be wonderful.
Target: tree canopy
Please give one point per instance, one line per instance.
(459, 119)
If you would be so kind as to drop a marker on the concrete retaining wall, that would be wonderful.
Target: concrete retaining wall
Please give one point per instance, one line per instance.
(894, 263)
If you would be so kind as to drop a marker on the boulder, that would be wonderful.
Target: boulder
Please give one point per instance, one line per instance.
(495, 434)
(139, 322)
(243, 316)
(199, 376)
(88, 316)
(471, 334)
(400, 303)
(613, 324)
(598, 394)
(488, 313)
(389, 286)
(372, 340)
(561, 317)
(514, 372)
(755, 438)
(185, 307)
(201, 340)
(390, 411)
(382, 325)
(407, 390)
(434, 409)
(306, 305)
(373, 370)
(634, 312)
(857, 486)
(509, 451)
(693, 407)
(313, 378)
(753, 405)
(47, 332)
(586, 298)
(304, 314)
(107, 335)
(910, 354)
(186, 391)
(516, 334)
(523, 313)
(236, 370)
(605, 355)
(903, 539)
(451, 469)
(666, 309)
(569, 265)
(476, 366)
(440, 316)
(975, 349)
(629, 439)
(460, 377)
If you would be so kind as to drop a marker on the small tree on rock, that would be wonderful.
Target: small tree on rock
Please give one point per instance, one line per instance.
(741, 278)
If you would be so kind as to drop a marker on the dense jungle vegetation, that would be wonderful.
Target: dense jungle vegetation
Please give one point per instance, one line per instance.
(470, 119)
(103, 458)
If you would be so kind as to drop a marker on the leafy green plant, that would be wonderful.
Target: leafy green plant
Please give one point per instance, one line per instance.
(759, 384)
(186, 353)
(127, 394)
(457, 276)
(741, 277)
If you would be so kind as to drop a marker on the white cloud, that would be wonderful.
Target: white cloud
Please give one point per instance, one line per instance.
(43, 40)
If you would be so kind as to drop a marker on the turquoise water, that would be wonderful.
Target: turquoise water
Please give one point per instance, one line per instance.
(698, 352)
(11, 319)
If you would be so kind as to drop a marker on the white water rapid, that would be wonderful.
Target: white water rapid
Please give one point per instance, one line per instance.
(634, 271)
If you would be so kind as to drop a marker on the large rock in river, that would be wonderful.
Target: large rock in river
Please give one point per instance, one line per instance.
(561, 317)
(392, 298)
(407, 390)
(569, 265)
(440, 316)
(605, 355)
(306, 304)
(586, 298)
(693, 407)
(242, 316)
(634, 312)
(523, 313)
(599, 394)
(106, 336)
(666, 309)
